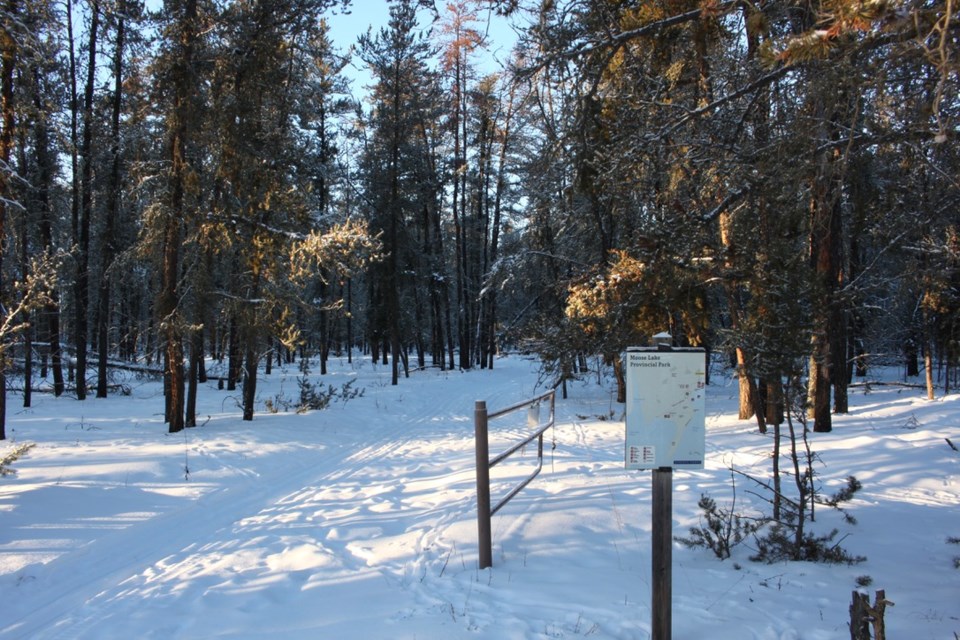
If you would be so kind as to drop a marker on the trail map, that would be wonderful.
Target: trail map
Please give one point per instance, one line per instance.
(665, 424)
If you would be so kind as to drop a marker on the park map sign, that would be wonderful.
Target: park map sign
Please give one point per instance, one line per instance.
(665, 420)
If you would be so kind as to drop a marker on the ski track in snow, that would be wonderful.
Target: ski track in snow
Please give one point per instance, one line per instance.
(307, 525)
(360, 521)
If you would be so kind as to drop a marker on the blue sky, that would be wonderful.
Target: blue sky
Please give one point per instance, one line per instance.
(345, 29)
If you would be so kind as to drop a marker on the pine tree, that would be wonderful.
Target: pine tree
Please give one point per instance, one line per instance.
(184, 43)
(395, 159)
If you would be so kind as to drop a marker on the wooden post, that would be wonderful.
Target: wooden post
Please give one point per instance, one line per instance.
(859, 620)
(484, 537)
(877, 611)
(662, 557)
(862, 616)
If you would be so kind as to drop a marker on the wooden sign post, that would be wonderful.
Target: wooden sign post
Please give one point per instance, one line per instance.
(661, 606)
(665, 430)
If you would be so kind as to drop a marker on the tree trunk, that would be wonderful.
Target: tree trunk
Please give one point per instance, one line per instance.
(349, 286)
(910, 356)
(620, 377)
(249, 381)
(45, 173)
(418, 322)
(491, 297)
(324, 326)
(820, 390)
(81, 288)
(860, 617)
(193, 378)
(169, 322)
(777, 482)
(234, 363)
(863, 616)
(8, 55)
(113, 206)
(841, 401)
(464, 323)
(74, 145)
(393, 242)
(827, 255)
(774, 401)
(28, 332)
(168, 305)
(747, 386)
(824, 217)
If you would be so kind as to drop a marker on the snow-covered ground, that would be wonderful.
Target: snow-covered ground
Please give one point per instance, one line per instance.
(359, 521)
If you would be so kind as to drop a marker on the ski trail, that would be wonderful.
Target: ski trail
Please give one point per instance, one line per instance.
(107, 561)
(305, 531)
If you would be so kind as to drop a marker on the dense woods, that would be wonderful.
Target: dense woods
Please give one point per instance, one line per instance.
(196, 184)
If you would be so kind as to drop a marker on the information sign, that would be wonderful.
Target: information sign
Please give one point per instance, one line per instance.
(665, 423)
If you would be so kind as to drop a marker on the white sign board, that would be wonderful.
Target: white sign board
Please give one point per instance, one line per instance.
(666, 411)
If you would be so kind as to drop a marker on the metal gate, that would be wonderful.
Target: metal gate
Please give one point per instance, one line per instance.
(484, 463)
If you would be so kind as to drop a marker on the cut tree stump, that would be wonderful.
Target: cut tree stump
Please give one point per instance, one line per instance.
(863, 615)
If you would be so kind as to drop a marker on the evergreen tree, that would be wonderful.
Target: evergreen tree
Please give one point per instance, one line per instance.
(396, 158)
(180, 71)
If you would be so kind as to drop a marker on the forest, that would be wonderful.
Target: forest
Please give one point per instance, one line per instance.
(196, 185)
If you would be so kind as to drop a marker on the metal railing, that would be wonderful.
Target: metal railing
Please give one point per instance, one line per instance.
(484, 463)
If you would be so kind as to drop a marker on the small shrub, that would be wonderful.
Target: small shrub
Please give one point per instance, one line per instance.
(789, 537)
(781, 543)
(956, 559)
(277, 403)
(724, 528)
(12, 457)
(314, 398)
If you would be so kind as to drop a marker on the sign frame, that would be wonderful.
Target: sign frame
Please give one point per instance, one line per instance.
(666, 408)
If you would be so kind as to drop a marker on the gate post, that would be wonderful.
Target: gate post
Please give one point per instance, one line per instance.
(483, 484)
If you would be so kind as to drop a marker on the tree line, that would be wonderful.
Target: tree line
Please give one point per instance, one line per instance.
(198, 182)
(775, 181)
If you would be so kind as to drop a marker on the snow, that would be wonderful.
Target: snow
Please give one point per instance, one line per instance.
(359, 521)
